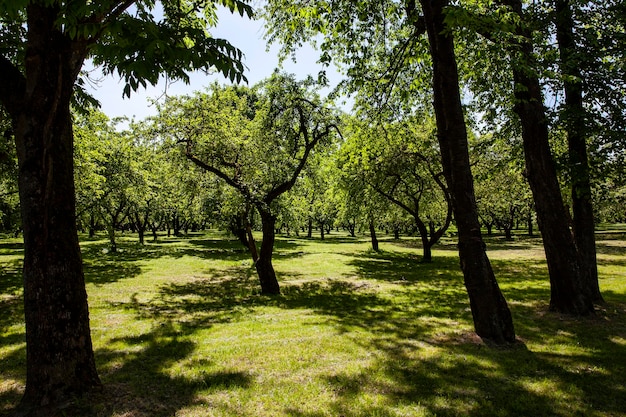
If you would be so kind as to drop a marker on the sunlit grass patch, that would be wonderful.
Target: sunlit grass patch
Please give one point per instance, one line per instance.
(180, 329)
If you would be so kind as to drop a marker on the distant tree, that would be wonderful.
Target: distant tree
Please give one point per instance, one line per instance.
(502, 193)
(399, 162)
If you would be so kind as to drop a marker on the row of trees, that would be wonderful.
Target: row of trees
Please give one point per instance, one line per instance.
(404, 61)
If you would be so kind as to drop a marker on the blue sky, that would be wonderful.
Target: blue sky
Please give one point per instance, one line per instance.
(241, 32)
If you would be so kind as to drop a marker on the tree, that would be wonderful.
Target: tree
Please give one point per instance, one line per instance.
(257, 141)
(568, 293)
(397, 161)
(591, 70)
(502, 192)
(379, 42)
(44, 45)
(514, 30)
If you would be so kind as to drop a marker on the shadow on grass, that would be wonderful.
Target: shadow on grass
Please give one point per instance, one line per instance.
(11, 304)
(11, 277)
(141, 381)
(11, 246)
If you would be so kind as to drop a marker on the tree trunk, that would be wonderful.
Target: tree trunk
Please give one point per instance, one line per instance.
(111, 234)
(59, 354)
(427, 255)
(529, 220)
(492, 318)
(373, 236)
(264, 267)
(237, 227)
(141, 232)
(251, 244)
(575, 126)
(309, 233)
(92, 224)
(508, 232)
(567, 293)
(322, 231)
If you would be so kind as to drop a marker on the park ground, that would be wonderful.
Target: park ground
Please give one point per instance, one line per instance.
(180, 329)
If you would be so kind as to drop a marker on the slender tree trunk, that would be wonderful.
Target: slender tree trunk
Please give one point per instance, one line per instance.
(111, 234)
(567, 293)
(529, 220)
(92, 224)
(427, 255)
(264, 267)
(322, 231)
(373, 236)
(238, 227)
(582, 207)
(508, 232)
(309, 233)
(492, 318)
(251, 244)
(59, 354)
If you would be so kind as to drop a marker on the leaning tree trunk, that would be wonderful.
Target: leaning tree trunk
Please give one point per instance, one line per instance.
(59, 354)
(567, 292)
(264, 267)
(582, 207)
(372, 228)
(492, 318)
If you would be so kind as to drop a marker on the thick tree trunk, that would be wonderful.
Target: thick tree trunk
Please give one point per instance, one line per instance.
(492, 318)
(582, 207)
(59, 354)
(264, 267)
(568, 295)
(373, 236)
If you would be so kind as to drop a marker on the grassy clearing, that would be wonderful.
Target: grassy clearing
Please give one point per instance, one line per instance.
(180, 329)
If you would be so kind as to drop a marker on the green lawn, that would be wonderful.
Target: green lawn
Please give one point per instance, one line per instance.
(179, 329)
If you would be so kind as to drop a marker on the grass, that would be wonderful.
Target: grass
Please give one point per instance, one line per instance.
(180, 329)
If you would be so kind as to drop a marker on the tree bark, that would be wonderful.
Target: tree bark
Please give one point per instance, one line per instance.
(567, 293)
(427, 254)
(373, 236)
(575, 126)
(264, 267)
(492, 318)
(59, 354)
(251, 243)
